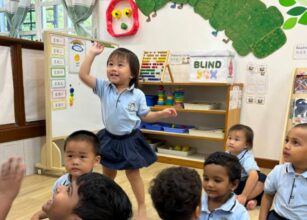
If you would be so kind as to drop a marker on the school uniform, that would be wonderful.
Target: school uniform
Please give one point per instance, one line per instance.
(248, 163)
(122, 145)
(230, 210)
(64, 180)
(289, 190)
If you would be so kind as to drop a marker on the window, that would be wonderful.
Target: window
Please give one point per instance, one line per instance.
(43, 15)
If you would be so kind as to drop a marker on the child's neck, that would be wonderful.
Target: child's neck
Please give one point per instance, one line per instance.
(214, 203)
(121, 88)
(299, 168)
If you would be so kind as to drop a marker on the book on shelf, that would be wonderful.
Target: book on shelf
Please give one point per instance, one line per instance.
(300, 83)
(299, 111)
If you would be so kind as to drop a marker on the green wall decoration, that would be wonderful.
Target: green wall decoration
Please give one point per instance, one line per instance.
(249, 24)
(298, 13)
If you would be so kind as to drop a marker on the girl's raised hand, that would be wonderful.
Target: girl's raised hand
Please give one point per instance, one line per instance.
(96, 48)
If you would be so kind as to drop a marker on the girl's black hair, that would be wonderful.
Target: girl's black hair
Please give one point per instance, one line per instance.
(133, 63)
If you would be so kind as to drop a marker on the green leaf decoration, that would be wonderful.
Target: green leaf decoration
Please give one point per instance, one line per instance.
(290, 23)
(146, 6)
(296, 11)
(303, 19)
(287, 3)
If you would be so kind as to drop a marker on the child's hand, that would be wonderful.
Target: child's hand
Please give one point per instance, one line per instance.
(96, 48)
(12, 173)
(242, 199)
(169, 112)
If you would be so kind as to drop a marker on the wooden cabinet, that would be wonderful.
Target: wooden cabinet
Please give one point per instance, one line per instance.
(228, 97)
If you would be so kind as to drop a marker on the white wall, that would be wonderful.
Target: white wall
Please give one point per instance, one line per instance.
(184, 30)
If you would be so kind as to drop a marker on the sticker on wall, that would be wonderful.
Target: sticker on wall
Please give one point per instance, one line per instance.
(58, 94)
(58, 72)
(58, 105)
(300, 52)
(58, 83)
(76, 54)
(56, 51)
(57, 40)
(122, 18)
(296, 14)
(55, 61)
(244, 22)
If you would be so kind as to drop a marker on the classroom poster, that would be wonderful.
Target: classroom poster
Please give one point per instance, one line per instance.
(76, 54)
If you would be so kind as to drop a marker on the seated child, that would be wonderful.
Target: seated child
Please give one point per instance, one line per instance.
(222, 172)
(11, 176)
(81, 155)
(92, 196)
(176, 193)
(286, 184)
(239, 143)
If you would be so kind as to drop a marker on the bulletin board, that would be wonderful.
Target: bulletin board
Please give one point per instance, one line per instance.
(70, 104)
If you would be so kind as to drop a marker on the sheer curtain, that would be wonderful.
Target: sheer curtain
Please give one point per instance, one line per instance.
(78, 11)
(16, 11)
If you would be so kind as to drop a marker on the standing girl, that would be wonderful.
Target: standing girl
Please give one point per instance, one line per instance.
(123, 146)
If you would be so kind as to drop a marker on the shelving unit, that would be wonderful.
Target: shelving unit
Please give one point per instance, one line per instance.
(229, 97)
(297, 102)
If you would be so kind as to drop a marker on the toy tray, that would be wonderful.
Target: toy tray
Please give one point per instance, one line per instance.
(175, 130)
(164, 150)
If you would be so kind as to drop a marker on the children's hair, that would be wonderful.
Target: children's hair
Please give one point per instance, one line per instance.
(229, 161)
(101, 198)
(303, 126)
(176, 193)
(249, 134)
(83, 135)
(133, 63)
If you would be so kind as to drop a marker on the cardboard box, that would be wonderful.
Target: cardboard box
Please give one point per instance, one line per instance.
(214, 67)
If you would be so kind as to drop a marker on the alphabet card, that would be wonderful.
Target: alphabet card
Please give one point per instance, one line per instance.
(214, 67)
(153, 65)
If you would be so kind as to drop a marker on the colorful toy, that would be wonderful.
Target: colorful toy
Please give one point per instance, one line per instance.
(71, 96)
(122, 22)
(161, 94)
(179, 94)
(169, 99)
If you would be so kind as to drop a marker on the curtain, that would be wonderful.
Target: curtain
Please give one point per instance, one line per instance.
(78, 11)
(16, 11)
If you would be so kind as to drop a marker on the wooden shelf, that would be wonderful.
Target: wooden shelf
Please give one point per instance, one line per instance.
(188, 83)
(194, 160)
(182, 135)
(212, 111)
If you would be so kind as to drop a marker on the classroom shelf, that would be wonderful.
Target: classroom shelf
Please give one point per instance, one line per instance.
(212, 111)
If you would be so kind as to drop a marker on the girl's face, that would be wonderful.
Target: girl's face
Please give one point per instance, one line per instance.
(216, 183)
(295, 148)
(64, 200)
(118, 72)
(236, 142)
(80, 158)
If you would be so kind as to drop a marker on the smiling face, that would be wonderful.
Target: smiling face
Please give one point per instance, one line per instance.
(236, 142)
(80, 158)
(64, 200)
(295, 148)
(217, 184)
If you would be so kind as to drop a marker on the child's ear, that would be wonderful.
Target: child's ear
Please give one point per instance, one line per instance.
(98, 159)
(196, 213)
(235, 184)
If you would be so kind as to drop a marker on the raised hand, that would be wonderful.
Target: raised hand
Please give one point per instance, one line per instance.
(96, 48)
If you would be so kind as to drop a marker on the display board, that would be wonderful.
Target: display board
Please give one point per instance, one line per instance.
(70, 104)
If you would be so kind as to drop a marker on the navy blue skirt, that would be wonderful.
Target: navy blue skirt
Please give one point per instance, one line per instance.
(130, 151)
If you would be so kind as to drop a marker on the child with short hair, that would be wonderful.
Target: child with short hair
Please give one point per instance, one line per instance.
(81, 155)
(222, 172)
(286, 184)
(92, 196)
(239, 143)
(176, 193)
(123, 106)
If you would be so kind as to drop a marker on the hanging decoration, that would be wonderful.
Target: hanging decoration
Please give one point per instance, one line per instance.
(122, 18)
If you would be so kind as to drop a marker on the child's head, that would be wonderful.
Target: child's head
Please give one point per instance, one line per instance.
(295, 147)
(81, 150)
(128, 64)
(222, 173)
(240, 137)
(92, 196)
(176, 193)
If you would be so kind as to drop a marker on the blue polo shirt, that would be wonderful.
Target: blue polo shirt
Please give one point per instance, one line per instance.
(121, 112)
(290, 190)
(248, 163)
(230, 210)
(64, 180)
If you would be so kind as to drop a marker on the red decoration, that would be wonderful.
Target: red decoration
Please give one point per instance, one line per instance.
(112, 10)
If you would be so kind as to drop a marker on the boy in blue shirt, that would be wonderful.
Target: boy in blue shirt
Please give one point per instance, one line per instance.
(222, 172)
(286, 184)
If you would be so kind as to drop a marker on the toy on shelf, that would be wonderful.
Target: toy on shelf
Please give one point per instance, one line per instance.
(161, 94)
(179, 94)
(169, 99)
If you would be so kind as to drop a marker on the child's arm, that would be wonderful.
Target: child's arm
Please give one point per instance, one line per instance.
(250, 185)
(12, 173)
(157, 115)
(85, 68)
(266, 204)
(39, 215)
